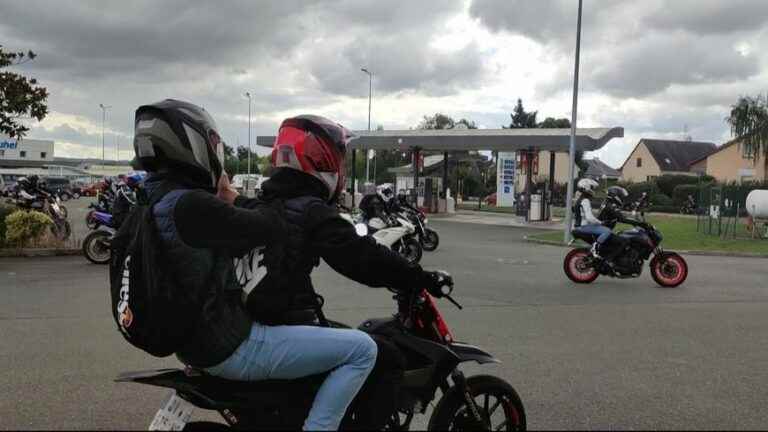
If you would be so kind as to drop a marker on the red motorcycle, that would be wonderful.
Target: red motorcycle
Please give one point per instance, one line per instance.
(418, 329)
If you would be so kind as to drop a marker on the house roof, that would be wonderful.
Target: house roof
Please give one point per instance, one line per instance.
(716, 150)
(673, 155)
(597, 168)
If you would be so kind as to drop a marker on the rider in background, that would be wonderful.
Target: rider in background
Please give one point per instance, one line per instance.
(125, 198)
(584, 220)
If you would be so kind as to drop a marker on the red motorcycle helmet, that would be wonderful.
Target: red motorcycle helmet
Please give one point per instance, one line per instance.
(314, 145)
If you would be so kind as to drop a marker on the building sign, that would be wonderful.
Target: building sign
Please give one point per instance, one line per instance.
(9, 145)
(505, 179)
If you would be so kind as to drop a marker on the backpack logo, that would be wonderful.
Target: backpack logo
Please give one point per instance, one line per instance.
(250, 269)
(124, 313)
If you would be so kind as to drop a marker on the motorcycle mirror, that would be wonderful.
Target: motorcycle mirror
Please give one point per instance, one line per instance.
(361, 229)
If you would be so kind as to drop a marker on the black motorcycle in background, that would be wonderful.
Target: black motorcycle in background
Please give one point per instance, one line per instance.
(480, 402)
(636, 245)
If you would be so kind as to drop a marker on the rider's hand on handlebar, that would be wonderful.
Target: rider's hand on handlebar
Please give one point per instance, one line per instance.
(438, 283)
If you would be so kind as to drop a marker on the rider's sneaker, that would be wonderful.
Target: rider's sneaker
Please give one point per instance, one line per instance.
(594, 252)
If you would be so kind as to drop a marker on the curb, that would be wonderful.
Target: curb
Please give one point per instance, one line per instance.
(683, 252)
(31, 253)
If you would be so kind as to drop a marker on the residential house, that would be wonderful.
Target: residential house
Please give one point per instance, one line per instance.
(598, 170)
(729, 163)
(652, 158)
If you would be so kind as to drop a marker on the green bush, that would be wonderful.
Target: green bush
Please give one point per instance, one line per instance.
(24, 227)
(681, 192)
(666, 184)
(664, 209)
(661, 200)
(5, 210)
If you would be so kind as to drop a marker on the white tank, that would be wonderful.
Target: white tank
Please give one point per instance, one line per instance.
(757, 203)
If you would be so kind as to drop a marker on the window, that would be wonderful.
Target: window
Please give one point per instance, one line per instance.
(22, 154)
(2, 153)
(43, 155)
(639, 162)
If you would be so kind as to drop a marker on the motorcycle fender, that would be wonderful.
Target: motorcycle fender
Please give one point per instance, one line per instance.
(467, 352)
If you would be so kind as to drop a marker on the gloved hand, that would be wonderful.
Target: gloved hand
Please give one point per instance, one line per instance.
(434, 281)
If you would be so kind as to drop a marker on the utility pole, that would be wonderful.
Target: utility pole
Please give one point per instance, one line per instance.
(104, 109)
(572, 148)
(248, 95)
(370, 95)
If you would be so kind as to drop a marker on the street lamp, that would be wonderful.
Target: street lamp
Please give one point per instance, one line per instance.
(572, 148)
(104, 109)
(248, 95)
(370, 94)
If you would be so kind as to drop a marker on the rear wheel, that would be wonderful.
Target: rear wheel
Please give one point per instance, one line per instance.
(430, 240)
(96, 247)
(669, 269)
(578, 268)
(498, 404)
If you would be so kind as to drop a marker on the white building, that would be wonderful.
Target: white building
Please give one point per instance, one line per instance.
(25, 149)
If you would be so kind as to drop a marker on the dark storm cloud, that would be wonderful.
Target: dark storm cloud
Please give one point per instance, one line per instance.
(650, 65)
(710, 16)
(634, 48)
(399, 63)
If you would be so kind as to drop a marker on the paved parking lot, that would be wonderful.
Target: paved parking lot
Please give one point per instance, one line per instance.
(619, 354)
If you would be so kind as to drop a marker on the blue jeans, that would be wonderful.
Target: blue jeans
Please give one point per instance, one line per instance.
(290, 352)
(602, 232)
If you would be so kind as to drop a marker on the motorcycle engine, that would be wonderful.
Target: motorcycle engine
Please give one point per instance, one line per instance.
(629, 263)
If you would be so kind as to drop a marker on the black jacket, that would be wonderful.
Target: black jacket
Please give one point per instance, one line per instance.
(201, 235)
(328, 236)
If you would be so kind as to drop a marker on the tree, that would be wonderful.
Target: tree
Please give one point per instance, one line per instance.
(442, 121)
(437, 121)
(20, 97)
(553, 123)
(521, 118)
(749, 124)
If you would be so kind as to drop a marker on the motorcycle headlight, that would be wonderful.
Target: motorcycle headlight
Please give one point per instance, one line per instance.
(426, 220)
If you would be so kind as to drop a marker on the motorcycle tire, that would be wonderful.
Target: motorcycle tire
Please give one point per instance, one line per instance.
(410, 249)
(76, 196)
(95, 249)
(452, 413)
(65, 197)
(430, 240)
(201, 426)
(575, 270)
(669, 269)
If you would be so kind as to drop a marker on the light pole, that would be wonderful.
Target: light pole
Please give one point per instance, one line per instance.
(248, 95)
(370, 94)
(104, 109)
(572, 148)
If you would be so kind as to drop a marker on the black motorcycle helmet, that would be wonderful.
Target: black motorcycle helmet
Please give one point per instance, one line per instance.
(181, 138)
(616, 195)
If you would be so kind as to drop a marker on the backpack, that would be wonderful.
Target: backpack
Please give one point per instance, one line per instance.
(150, 310)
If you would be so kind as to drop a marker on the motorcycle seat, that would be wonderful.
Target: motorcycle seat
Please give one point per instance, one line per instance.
(212, 392)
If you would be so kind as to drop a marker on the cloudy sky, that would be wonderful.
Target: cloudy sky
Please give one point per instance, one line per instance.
(654, 67)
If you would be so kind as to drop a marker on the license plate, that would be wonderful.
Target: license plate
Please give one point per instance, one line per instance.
(173, 415)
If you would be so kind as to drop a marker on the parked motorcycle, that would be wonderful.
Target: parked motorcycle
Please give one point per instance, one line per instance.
(427, 237)
(668, 269)
(97, 244)
(481, 402)
(689, 206)
(393, 232)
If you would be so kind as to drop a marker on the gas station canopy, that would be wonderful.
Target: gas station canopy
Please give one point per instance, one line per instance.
(505, 140)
